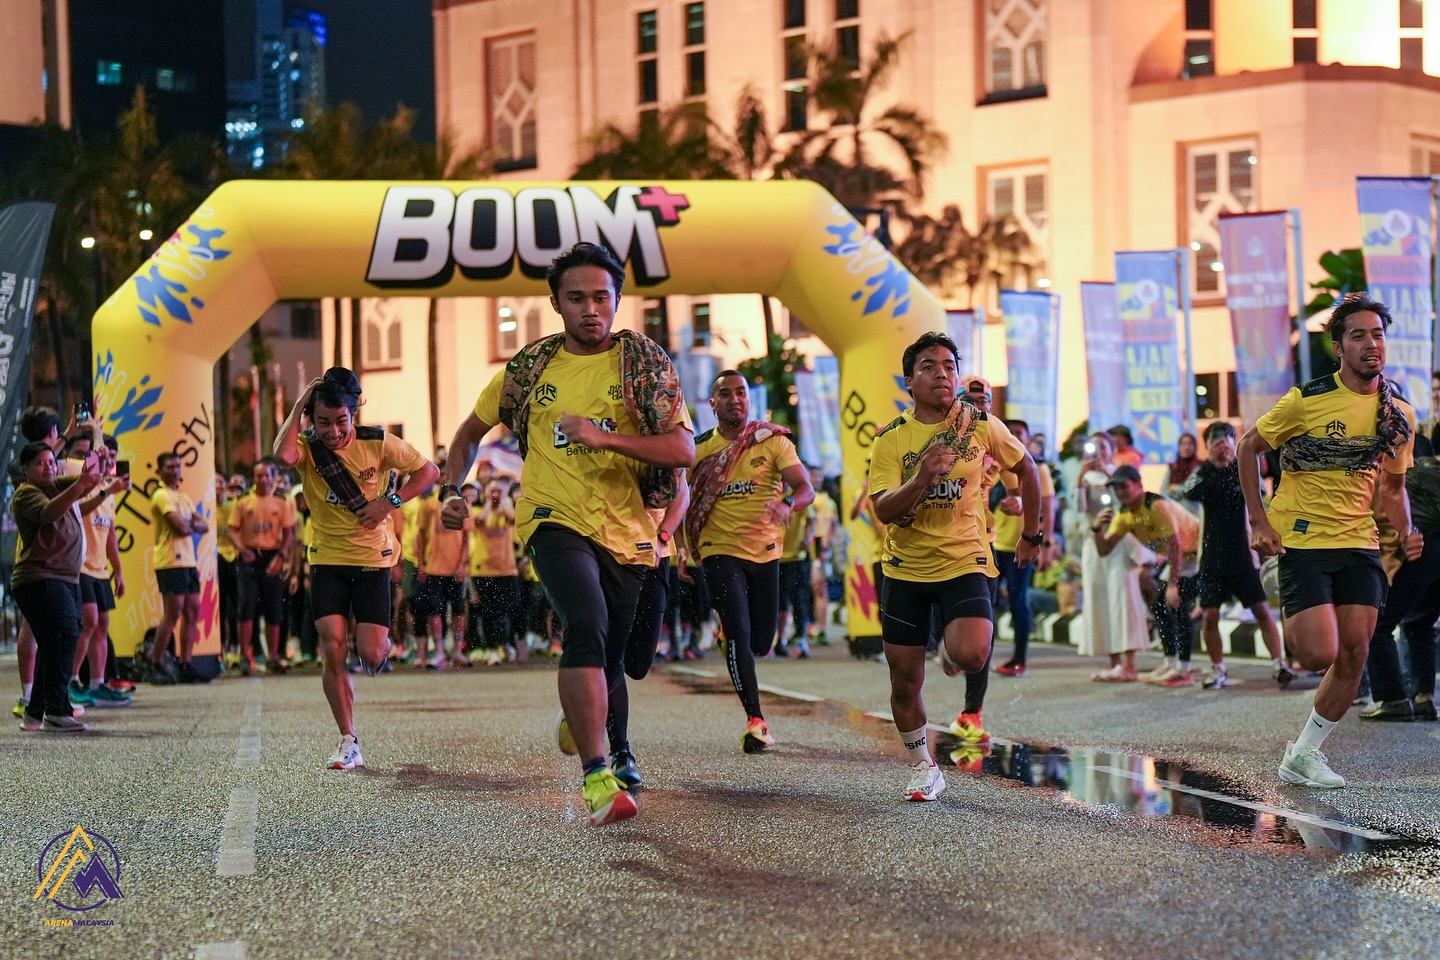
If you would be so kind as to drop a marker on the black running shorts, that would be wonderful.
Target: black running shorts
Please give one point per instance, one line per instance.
(362, 592)
(1242, 583)
(437, 594)
(96, 591)
(1313, 578)
(256, 591)
(178, 580)
(905, 606)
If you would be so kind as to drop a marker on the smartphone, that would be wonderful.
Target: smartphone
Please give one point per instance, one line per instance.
(122, 468)
(1089, 448)
(82, 411)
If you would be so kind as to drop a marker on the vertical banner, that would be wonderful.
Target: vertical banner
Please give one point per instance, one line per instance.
(759, 401)
(827, 386)
(966, 328)
(1395, 225)
(1104, 355)
(808, 413)
(24, 231)
(1147, 288)
(697, 372)
(1032, 350)
(1257, 293)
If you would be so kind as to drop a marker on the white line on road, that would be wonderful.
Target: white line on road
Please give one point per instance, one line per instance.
(764, 687)
(237, 840)
(247, 752)
(231, 950)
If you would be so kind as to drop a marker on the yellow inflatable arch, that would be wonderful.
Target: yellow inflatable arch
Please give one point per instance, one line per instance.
(252, 243)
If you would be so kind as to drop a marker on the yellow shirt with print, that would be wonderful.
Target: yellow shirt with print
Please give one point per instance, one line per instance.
(1329, 509)
(595, 493)
(260, 522)
(1008, 528)
(223, 513)
(444, 548)
(337, 538)
(796, 546)
(826, 513)
(739, 524)
(946, 538)
(410, 517)
(492, 542)
(97, 535)
(173, 549)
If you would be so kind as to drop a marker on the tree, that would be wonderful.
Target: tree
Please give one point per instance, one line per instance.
(1344, 275)
(949, 259)
(675, 145)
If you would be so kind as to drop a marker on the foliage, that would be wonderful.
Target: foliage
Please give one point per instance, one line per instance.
(1345, 274)
(776, 372)
(949, 259)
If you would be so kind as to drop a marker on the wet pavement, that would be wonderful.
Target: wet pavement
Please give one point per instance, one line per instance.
(1102, 822)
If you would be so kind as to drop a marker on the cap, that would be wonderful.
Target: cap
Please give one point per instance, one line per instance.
(1122, 473)
(976, 385)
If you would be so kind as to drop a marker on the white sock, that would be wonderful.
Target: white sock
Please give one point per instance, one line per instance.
(1218, 667)
(1184, 666)
(1278, 664)
(75, 679)
(25, 689)
(1317, 728)
(94, 683)
(915, 745)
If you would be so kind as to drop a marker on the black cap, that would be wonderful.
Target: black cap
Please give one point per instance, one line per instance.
(1122, 473)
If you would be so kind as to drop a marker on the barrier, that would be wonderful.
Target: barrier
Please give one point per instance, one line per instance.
(255, 242)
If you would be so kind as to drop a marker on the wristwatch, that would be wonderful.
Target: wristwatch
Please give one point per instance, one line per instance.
(1036, 539)
(448, 490)
(394, 499)
(664, 537)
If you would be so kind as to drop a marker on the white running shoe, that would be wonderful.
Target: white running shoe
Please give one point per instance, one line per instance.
(347, 755)
(926, 781)
(564, 739)
(1216, 680)
(59, 723)
(1308, 768)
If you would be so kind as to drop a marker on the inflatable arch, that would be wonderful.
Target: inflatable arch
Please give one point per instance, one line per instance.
(252, 243)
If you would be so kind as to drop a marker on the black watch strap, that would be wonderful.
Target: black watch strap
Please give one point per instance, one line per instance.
(1034, 539)
(448, 490)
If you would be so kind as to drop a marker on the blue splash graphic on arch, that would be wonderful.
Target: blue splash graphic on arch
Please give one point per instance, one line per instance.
(159, 293)
(888, 284)
(136, 410)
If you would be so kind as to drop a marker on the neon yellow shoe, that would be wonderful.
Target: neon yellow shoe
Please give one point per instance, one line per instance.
(756, 736)
(968, 728)
(564, 739)
(606, 798)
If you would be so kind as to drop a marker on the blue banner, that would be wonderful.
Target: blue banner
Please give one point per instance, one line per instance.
(827, 388)
(1032, 350)
(1104, 355)
(1395, 226)
(1257, 292)
(1147, 287)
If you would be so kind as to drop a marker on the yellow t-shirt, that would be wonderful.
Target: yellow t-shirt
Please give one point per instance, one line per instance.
(826, 513)
(223, 514)
(796, 545)
(1008, 528)
(410, 517)
(444, 548)
(97, 534)
(1329, 509)
(172, 548)
(947, 537)
(595, 493)
(738, 525)
(337, 537)
(492, 543)
(260, 522)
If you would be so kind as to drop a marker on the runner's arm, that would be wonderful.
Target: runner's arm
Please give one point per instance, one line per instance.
(797, 478)
(463, 447)
(287, 442)
(1395, 502)
(673, 449)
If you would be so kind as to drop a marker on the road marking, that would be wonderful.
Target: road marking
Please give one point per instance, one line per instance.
(695, 672)
(889, 717)
(237, 839)
(231, 950)
(247, 751)
(764, 687)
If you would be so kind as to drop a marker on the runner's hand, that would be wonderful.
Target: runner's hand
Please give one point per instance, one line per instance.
(1103, 518)
(1264, 539)
(247, 555)
(119, 584)
(1172, 595)
(936, 463)
(273, 568)
(1025, 553)
(1413, 544)
(455, 512)
(581, 430)
(779, 512)
(373, 513)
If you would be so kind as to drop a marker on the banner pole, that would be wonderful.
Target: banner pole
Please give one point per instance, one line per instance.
(1190, 412)
(1293, 217)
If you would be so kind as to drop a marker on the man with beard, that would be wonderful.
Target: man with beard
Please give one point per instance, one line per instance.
(739, 509)
(1343, 440)
(925, 483)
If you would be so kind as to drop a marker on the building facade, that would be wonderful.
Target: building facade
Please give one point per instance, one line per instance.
(1099, 125)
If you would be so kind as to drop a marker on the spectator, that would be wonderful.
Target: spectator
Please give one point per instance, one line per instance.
(495, 573)
(46, 580)
(226, 576)
(175, 522)
(97, 596)
(1123, 442)
(1115, 621)
(262, 532)
(1182, 466)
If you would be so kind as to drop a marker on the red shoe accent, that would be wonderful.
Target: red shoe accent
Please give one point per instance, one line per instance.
(1011, 669)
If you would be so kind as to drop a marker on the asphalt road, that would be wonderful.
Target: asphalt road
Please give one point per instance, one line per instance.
(1105, 822)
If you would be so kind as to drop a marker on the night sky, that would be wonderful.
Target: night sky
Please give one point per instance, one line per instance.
(379, 53)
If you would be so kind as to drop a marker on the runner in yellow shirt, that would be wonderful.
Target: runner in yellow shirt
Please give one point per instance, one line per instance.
(442, 577)
(262, 531)
(1007, 536)
(1345, 443)
(926, 474)
(827, 516)
(595, 413)
(172, 514)
(736, 523)
(494, 571)
(797, 559)
(346, 472)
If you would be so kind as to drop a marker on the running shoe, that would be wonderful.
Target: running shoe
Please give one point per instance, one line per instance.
(1283, 676)
(606, 798)
(347, 755)
(1393, 710)
(157, 674)
(1424, 706)
(1011, 669)
(564, 739)
(967, 727)
(436, 663)
(1159, 675)
(19, 709)
(1308, 768)
(926, 782)
(756, 736)
(30, 724)
(1216, 680)
(59, 723)
(120, 686)
(800, 650)
(1180, 678)
(79, 696)
(781, 650)
(105, 697)
(693, 652)
(622, 761)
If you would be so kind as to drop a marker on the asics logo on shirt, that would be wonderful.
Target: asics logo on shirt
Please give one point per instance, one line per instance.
(740, 488)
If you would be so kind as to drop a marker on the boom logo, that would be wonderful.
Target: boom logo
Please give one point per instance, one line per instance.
(426, 232)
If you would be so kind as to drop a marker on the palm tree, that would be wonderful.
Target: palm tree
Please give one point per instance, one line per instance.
(675, 145)
(949, 259)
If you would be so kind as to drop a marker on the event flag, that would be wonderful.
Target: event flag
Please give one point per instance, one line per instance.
(1032, 350)
(24, 232)
(1147, 286)
(1395, 226)
(1104, 355)
(966, 328)
(1257, 292)
(827, 388)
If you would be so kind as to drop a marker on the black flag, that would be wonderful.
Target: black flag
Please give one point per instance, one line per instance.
(24, 231)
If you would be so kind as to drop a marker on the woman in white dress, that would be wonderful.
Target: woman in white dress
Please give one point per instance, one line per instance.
(1114, 616)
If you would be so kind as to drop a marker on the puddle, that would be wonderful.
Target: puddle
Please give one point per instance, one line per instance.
(1150, 787)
